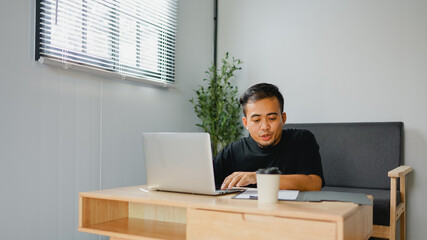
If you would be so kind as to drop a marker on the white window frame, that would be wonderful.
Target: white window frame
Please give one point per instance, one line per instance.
(126, 39)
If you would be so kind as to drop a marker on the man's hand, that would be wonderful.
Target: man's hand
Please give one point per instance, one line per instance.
(239, 179)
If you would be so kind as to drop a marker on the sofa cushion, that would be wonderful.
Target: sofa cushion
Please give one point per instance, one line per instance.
(357, 154)
(381, 197)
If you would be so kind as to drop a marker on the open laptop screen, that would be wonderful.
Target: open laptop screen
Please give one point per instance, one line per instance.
(180, 162)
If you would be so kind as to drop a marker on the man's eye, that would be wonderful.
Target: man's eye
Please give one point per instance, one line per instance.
(255, 120)
(273, 119)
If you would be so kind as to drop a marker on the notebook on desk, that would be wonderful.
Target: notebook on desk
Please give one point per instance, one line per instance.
(180, 162)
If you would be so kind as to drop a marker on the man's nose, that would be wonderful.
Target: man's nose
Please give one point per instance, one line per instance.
(265, 125)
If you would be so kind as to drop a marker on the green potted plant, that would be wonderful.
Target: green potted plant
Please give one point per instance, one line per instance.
(217, 104)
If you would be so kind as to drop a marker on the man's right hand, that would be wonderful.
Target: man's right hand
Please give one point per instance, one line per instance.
(239, 179)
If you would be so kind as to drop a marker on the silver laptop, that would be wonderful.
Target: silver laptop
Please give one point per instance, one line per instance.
(180, 162)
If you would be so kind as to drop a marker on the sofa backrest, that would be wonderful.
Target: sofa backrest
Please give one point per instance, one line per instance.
(357, 154)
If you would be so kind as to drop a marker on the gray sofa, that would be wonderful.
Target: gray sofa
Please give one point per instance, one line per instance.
(358, 157)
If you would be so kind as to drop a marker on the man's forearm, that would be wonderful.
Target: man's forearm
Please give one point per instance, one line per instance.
(301, 182)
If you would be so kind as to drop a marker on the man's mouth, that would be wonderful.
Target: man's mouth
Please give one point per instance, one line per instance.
(265, 136)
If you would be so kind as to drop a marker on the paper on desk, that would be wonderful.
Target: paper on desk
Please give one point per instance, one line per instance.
(282, 195)
(288, 194)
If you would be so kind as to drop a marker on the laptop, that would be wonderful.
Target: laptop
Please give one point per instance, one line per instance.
(180, 162)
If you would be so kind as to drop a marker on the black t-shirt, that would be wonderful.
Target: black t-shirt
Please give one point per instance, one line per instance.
(296, 153)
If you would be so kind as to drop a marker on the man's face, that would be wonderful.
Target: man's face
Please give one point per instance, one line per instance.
(264, 121)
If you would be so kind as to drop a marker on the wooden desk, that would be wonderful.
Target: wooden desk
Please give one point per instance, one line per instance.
(132, 213)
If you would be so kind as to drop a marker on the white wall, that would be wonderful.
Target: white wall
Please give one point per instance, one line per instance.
(63, 132)
(340, 61)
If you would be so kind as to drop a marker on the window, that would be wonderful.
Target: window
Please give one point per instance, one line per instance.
(132, 38)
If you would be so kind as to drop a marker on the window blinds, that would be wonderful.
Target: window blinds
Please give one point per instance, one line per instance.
(134, 38)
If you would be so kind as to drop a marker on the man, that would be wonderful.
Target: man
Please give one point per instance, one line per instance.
(295, 152)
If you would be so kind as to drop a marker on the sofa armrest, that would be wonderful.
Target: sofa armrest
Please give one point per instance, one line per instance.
(399, 171)
(396, 211)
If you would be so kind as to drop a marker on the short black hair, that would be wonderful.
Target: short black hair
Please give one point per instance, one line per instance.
(260, 91)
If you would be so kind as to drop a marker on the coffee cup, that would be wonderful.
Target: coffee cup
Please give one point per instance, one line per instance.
(268, 181)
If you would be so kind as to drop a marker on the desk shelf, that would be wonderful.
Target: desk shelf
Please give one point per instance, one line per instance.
(127, 220)
(135, 228)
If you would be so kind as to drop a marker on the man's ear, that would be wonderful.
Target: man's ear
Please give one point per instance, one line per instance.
(245, 122)
(283, 118)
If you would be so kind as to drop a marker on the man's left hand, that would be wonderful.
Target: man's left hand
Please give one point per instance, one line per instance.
(239, 179)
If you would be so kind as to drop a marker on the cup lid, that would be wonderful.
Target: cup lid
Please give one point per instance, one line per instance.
(271, 170)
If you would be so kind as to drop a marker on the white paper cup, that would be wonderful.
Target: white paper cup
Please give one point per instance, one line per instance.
(268, 187)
